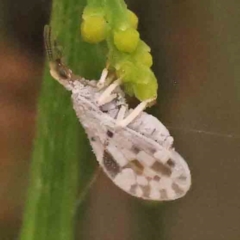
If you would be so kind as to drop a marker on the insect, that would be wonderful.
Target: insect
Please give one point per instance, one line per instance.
(133, 148)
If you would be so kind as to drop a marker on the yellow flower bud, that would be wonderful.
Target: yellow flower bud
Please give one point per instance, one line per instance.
(146, 89)
(126, 40)
(124, 70)
(145, 58)
(133, 19)
(94, 29)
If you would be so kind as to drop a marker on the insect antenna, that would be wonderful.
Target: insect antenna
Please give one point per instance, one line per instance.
(58, 69)
(47, 42)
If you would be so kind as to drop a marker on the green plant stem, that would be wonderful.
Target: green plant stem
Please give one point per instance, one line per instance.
(62, 162)
(117, 9)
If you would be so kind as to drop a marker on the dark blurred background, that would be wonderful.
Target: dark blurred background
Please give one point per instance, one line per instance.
(196, 50)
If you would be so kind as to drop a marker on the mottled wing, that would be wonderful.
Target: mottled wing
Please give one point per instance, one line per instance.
(142, 167)
(139, 165)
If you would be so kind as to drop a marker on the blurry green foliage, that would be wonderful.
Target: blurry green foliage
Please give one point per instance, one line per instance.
(62, 162)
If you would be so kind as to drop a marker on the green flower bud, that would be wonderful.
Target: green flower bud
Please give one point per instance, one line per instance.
(128, 56)
(124, 70)
(126, 40)
(133, 19)
(143, 55)
(144, 47)
(144, 58)
(94, 29)
(146, 89)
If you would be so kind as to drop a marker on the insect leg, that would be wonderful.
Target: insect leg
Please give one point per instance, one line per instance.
(135, 112)
(108, 92)
(105, 79)
(121, 113)
(108, 99)
(102, 80)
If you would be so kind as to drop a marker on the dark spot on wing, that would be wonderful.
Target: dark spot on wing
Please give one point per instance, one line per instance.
(182, 178)
(136, 166)
(135, 149)
(149, 179)
(152, 151)
(156, 178)
(92, 139)
(110, 165)
(133, 189)
(153, 131)
(109, 133)
(146, 190)
(161, 168)
(177, 189)
(163, 194)
(170, 163)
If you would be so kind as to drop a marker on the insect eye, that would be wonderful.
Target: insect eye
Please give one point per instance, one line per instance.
(62, 71)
